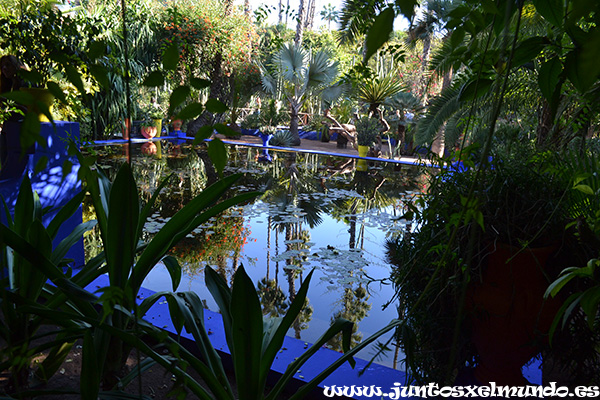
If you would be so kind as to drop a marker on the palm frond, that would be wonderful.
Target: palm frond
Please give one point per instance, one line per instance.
(454, 129)
(445, 58)
(268, 80)
(321, 70)
(440, 110)
(290, 61)
(332, 94)
(356, 17)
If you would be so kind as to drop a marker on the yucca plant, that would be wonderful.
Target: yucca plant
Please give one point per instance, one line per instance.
(377, 90)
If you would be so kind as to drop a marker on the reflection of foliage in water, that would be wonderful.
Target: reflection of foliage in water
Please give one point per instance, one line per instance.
(355, 308)
(299, 189)
(272, 298)
(222, 238)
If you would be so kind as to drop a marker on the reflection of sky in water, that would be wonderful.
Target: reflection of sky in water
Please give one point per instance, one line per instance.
(342, 259)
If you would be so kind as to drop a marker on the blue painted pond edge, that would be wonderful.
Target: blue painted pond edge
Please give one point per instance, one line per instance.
(259, 146)
(377, 375)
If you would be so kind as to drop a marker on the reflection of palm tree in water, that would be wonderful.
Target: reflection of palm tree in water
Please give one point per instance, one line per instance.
(355, 307)
(272, 298)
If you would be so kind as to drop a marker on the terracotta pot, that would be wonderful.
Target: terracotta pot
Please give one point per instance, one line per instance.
(509, 314)
(177, 123)
(148, 131)
(149, 148)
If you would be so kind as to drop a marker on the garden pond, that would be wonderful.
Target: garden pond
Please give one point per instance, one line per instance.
(315, 211)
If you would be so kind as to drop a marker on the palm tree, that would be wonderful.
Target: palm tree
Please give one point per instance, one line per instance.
(310, 17)
(300, 24)
(297, 75)
(329, 14)
(435, 14)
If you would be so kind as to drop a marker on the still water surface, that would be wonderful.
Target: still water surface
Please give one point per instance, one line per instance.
(314, 212)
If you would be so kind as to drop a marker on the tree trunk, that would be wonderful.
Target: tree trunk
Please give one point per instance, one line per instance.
(300, 26)
(544, 128)
(310, 17)
(294, 125)
(279, 10)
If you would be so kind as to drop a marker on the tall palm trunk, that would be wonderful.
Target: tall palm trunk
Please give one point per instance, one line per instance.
(300, 24)
(294, 111)
(424, 62)
(310, 16)
(279, 10)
